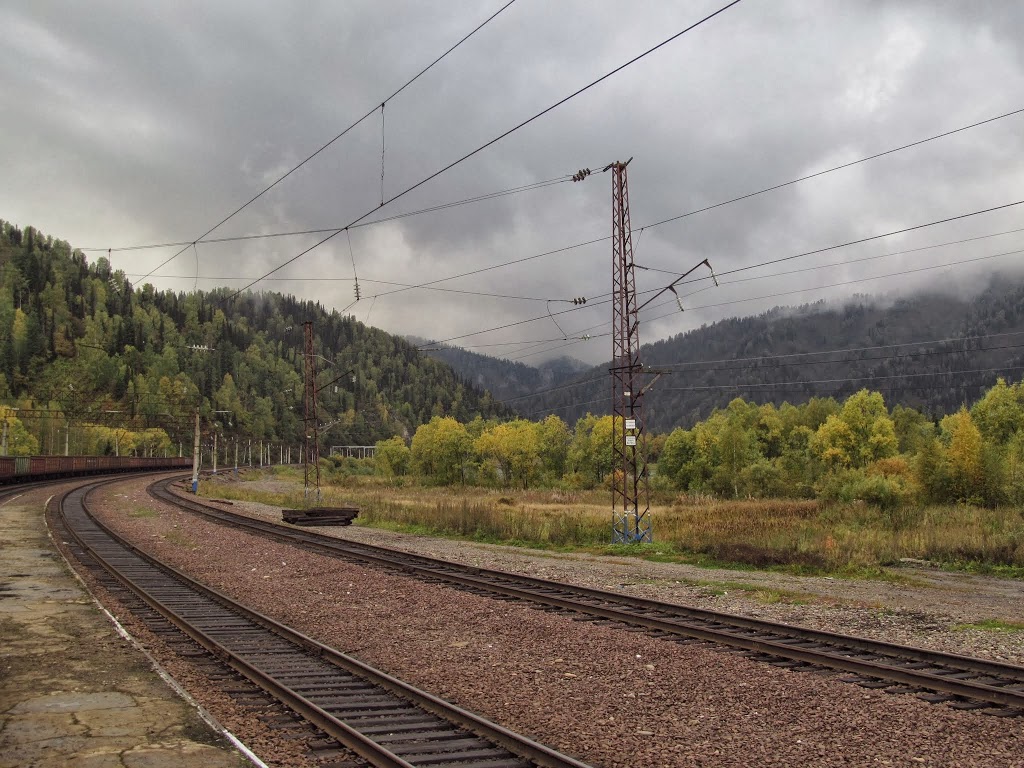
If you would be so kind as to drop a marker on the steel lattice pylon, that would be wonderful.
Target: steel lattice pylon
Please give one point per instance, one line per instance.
(310, 431)
(631, 521)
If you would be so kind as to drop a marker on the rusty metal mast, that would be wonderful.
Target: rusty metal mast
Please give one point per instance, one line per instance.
(310, 427)
(631, 521)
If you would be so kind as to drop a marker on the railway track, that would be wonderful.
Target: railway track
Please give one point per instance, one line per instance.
(960, 681)
(381, 719)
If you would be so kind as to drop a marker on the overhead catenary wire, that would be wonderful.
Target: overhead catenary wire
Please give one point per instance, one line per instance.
(564, 178)
(591, 380)
(787, 258)
(677, 217)
(485, 294)
(899, 273)
(593, 241)
(804, 290)
(762, 264)
(596, 301)
(722, 364)
(534, 185)
(495, 140)
(845, 350)
(589, 336)
(845, 380)
(739, 198)
(944, 386)
(849, 360)
(339, 136)
(840, 167)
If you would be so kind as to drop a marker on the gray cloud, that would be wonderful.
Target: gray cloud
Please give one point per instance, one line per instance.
(128, 123)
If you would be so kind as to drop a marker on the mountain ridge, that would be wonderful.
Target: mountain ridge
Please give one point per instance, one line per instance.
(904, 347)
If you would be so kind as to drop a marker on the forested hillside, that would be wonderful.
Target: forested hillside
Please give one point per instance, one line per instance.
(505, 380)
(791, 355)
(80, 344)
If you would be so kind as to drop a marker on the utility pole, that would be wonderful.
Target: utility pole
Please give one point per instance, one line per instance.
(195, 458)
(310, 433)
(236, 455)
(3, 445)
(631, 521)
(631, 518)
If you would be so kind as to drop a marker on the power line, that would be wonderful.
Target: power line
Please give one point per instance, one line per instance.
(799, 388)
(559, 250)
(467, 292)
(749, 299)
(429, 284)
(581, 382)
(803, 290)
(741, 197)
(329, 143)
(767, 263)
(606, 399)
(847, 380)
(426, 348)
(783, 356)
(849, 242)
(295, 233)
(899, 273)
(791, 272)
(863, 259)
(836, 168)
(872, 348)
(572, 343)
(495, 140)
(657, 223)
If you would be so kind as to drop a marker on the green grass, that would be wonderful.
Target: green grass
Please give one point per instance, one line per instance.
(142, 512)
(992, 625)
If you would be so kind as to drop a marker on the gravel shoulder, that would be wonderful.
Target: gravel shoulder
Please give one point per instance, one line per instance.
(607, 695)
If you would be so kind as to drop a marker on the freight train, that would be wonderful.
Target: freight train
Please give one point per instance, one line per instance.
(16, 469)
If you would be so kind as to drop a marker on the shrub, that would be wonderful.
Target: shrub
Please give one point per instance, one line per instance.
(763, 479)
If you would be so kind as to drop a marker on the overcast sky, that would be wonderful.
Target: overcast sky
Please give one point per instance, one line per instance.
(128, 123)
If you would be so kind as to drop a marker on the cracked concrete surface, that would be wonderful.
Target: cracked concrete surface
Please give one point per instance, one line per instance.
(73, 693)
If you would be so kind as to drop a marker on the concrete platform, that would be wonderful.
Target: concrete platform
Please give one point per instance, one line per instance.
(73, 692)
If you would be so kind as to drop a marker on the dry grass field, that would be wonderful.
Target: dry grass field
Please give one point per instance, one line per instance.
(792, 535)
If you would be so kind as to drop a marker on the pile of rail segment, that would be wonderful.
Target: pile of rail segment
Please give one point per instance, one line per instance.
(320, 515)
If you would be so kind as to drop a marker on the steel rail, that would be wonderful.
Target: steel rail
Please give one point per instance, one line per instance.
(999, 683)
(129, 563)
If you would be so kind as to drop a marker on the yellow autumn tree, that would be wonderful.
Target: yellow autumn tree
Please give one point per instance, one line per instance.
(963, 456)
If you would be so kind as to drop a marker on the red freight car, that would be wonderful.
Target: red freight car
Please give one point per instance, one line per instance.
(22, 468)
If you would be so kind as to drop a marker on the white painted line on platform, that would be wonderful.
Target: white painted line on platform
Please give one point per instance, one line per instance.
(13, 498)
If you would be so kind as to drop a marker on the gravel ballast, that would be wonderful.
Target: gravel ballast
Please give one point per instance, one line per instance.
(607, 695)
